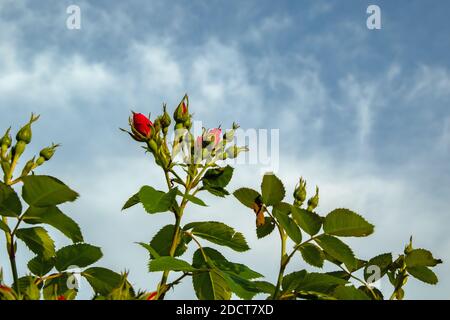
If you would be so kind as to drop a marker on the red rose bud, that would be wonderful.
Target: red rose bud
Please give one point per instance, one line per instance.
(152, 295)
(141, 127)
(181, 113)
(25, 133)
(61, 297)
(314, 201)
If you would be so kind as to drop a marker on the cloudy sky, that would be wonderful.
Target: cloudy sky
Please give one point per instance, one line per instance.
(362, 113)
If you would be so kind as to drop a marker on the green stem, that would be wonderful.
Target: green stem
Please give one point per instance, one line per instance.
(360, 281)
(12, 259)
(10, 235)
(162, 287)
(283, 262)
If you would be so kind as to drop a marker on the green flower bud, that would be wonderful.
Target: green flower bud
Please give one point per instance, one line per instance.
(47, 153)
(409, 247)
(233, 151)
(6, 140)
(30, 165)
(5, 143)
(228, 136)
(188, 123)
(19, 148)
(157, 125)
(165, 118)
(300, 192)
(25, 133)
(181, 113)
(314, 201)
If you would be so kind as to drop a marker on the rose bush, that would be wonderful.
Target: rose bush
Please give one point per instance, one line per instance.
(192, 166)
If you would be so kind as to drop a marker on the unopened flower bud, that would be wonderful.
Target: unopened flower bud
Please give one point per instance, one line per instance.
(157, 125)
(229, 135)
(25, 134)
(5, 143)
(165, 118)
(6, 140)
(47, 153)
(233, 151)
(141, 127)
(188, 123)
(181, 113)
(314, 201)
(300, 193)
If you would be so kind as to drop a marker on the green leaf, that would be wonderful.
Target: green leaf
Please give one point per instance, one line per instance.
(40, 266)
(80, 255)
(37, 240)
(218, 177)
(312, 255)
(134, 200)
(266, 228)
(423, 274)
(272, 189)
(219, 233)
(10, 205)
(153, 252)
(309, 221)
(421, 258)
(28, 288)
(155, 201)
(169, 263)
(349, 293)
(290, 280)
(4, 227)
(288, 225)
(265, 287)
(55, 218)
(45, 191)
(339, 274)
(337, 249)
(316, 282)
(243, 288)
(247, 196)
(192, 199)
(56, 288)
(217, 191)
(382, 261)
(209, 285)
(358, 265)
(162, 241)
(102, 280)
(346, 223)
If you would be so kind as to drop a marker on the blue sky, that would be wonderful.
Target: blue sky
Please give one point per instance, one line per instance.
(364, 114)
